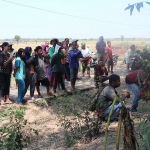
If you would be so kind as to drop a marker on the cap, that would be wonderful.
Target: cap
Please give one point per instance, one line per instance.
(10, 43)
(75, 40)
(83, 44)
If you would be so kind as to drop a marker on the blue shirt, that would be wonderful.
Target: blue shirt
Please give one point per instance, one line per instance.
(74, 55)
(20, 74)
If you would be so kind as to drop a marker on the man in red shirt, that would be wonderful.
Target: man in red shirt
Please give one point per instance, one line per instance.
(109, 57)
(134, 81)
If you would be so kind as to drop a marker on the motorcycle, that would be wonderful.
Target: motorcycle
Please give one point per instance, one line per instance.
(135, 61)
(115, 58)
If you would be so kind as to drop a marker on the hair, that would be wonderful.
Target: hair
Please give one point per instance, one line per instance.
(45, 58)
(66, 39)
(37, 48)
(4, 44)
(108, 42)
(132, 46)
(70, 44)
(113, 78)
(20, 52)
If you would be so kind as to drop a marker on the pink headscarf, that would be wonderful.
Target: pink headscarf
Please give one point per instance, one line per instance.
(44, 49)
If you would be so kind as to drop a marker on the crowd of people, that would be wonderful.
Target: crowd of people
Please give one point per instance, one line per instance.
(51, 66)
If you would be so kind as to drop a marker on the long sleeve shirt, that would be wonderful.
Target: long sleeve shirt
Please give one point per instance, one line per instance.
(74, 55)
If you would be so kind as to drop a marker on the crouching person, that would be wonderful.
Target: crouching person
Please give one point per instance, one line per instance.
(100, 73)
(106, 97)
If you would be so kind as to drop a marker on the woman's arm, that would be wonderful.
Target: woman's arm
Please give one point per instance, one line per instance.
(11, 58)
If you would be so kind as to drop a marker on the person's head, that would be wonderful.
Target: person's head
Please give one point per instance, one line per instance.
(47, 44)
(100, 63)
(66, 42)
(74, 43)
(5, 47)
(70, 45)
(21, 53)
(83, 45)
(133, 47)
(101, 38)
(38, 51)
(46, 60)
(109, 43)
(54, 42)
(28, 51)
(114, 80)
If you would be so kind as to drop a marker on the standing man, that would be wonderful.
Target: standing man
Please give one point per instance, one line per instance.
(101, 47)
(109, 57)
(53, 42)
(130, 54)
(86, 59)
(74, 55)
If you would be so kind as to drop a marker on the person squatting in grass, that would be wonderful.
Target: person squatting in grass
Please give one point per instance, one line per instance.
(109, 92)
(100, 73)
(19, 73)
(41, 74)
(5, 73)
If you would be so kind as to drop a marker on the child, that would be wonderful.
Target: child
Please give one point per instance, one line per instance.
(19, 72)
(109, 57)
(47, 67)
(99, 71)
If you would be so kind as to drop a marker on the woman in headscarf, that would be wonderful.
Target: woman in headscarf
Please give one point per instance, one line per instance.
(5, 73)
(30, 72)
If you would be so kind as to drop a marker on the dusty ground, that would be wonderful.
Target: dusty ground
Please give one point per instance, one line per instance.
(51, 134)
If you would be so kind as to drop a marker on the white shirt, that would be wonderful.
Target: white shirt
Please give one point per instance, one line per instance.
(85, 52)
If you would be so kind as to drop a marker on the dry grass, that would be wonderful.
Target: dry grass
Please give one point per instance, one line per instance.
(91, 44)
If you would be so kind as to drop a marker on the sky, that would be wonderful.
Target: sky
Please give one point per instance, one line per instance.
(33, 23)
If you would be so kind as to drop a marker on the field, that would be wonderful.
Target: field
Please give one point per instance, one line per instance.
(51, 133)
(118, 46)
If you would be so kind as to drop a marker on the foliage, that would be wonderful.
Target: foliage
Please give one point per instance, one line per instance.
(124, 118)
(17, 38)
(144, 126)
(138, 6)
(75, 118)
(13, 131)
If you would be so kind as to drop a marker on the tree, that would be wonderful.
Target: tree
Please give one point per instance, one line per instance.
(17, 38)
(122, 38)
(137, 5)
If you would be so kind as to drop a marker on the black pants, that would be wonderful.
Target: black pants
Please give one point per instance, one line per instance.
(30, 81)
(67, 73)
(4, 85)
(57, 78)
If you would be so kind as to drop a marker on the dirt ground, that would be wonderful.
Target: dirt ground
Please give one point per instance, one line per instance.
(51, 134)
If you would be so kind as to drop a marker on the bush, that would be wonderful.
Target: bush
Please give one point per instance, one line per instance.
(13, 129)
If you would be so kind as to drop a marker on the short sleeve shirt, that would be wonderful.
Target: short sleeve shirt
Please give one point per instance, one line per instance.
(20, 74)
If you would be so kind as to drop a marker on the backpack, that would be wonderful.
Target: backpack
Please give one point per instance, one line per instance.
(100, 47)
(100, 103)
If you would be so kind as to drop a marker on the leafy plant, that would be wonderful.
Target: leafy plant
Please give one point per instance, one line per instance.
(79, 124)
(138, 6)
(13, 129)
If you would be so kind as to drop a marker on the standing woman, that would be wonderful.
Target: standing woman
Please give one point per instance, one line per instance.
(19, 73)
(5, 73)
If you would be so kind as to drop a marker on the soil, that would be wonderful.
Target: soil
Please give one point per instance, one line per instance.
(51, 134)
